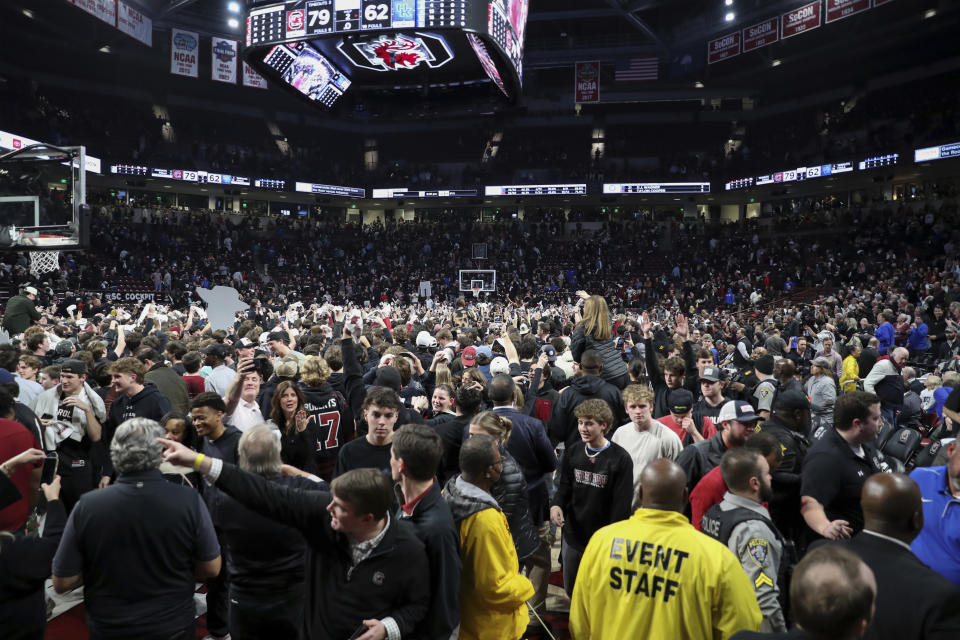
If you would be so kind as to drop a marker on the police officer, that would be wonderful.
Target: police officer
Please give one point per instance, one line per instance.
(763, 395)
(790, 424)
(742, 523)
(655, 576)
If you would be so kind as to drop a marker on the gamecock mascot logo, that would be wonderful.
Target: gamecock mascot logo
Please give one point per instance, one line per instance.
(397, 52)
(401, 53)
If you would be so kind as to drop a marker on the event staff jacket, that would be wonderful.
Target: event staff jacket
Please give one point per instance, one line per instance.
(745, 527)
(393, 581)
(655, 576)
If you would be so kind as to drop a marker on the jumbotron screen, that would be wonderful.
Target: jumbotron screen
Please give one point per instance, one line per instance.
(338, 29)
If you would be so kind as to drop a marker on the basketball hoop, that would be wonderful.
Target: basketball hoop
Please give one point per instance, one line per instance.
(44, 262)
(476, 292)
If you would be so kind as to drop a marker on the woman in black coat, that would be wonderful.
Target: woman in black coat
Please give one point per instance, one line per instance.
(25, 562)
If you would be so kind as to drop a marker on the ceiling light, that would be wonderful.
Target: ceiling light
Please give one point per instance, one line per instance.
(698, 85)
(233, 23)
(730, 16)
(28, 13)
(775, 63)
(929, 13)
(234, 7)
(105, 49)
(728, 3)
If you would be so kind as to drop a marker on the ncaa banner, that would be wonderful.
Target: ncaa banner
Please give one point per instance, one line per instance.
(183, 52)
(106, 10)
(223, 63)
(587, 82)
(134, 24)
(253, 79)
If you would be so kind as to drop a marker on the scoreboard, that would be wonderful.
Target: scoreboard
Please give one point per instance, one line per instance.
(328, 39)
(307, 18)
(656, 187)
(536, 190)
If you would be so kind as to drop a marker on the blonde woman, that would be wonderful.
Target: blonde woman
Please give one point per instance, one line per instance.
(594, 331)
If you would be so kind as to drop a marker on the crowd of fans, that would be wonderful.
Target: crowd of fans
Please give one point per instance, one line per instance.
(349, 456)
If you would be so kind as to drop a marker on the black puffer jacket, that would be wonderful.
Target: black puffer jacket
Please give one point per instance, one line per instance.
(511, 494)
(613, 365)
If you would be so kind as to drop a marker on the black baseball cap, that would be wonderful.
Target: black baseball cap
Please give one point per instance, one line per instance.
(78, 367)
(680, 401)
(791, 399)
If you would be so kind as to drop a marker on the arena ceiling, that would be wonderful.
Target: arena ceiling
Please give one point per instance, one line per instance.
(900, 35)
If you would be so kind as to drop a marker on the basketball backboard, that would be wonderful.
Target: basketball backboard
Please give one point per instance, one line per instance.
(43, 199)
(483, 279)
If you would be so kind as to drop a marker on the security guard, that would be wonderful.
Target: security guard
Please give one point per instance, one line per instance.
(766, 391)
(742, 523)
(655, 576)
(790, 424)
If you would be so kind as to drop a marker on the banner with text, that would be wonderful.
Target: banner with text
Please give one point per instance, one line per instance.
(134, 23)
(806, 18)
(587, 82)
(839, 9)
(184, 46)
(723, 48)
(106, 10)
(223, 64)
(762, 34)
(253, 79)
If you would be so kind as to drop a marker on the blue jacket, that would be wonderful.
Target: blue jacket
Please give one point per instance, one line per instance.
(885, 334)
(917, 340)
(938, 545)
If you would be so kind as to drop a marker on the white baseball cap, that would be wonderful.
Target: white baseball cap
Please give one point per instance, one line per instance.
(30, 290)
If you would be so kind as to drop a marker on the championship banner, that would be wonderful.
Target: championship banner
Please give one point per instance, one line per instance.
(106, 10)
(587, 82)
(223, 60)
(762, 34)
(806, 18)
(253, 79)
(722, 48)
(134, 24)
(183, 52)
(840, 9)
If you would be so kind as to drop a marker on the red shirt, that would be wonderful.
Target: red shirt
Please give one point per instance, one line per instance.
(14, 439)
(708, 492)
(709, 429)
(408, 507)
(195, 385)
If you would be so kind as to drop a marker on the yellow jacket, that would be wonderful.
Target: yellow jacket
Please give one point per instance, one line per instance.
(493, 593)
(655, 576)
(851, 373)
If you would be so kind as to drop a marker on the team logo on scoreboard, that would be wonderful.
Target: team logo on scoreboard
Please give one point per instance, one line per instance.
(296, 23)
(397, 52)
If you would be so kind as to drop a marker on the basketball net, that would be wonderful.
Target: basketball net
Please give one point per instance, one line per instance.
(44, 262)
(476, 292)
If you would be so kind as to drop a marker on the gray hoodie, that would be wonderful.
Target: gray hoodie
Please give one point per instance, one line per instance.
(465, 499)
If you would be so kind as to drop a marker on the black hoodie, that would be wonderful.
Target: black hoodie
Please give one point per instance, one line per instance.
(563, 424)
(148, 403)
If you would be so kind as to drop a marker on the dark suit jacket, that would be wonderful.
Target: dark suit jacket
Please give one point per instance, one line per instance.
(912, 600)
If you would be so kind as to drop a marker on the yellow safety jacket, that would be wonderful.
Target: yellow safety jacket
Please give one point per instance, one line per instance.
(655, 576)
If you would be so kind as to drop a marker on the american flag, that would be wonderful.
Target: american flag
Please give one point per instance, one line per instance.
(635, 69)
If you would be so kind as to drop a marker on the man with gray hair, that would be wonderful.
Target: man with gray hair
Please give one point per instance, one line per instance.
(138, 546)
(267, 560)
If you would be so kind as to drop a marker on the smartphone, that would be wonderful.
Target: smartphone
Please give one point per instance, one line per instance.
(47, 416)
(50, 464)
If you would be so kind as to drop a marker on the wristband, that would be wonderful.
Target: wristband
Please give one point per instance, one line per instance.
(196, 463)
